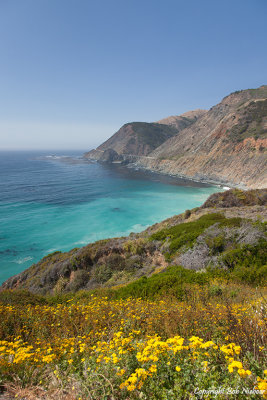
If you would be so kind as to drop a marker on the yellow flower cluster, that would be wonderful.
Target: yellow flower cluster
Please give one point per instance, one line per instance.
(237, 364)
(262, 387)
(230, 349)
(137, 379)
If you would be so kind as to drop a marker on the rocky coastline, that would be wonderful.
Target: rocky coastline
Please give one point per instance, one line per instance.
(225, 145)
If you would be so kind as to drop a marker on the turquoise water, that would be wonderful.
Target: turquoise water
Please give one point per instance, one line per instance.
(49, 203)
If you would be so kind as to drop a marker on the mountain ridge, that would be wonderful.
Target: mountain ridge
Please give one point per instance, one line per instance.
(226, 144)
(141, 138)
(182, 121)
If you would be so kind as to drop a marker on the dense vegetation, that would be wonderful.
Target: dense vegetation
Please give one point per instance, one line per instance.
(94, 346)
(152, 134)
(187, 233)
(237, 198)
(251, 122)
(245, 266)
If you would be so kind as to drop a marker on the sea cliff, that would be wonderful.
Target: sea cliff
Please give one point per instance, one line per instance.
(225, 145)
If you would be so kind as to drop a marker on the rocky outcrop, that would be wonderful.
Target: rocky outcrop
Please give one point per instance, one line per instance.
(237, 198)
(110, 155)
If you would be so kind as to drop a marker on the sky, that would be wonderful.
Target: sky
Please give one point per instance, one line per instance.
(72, 72)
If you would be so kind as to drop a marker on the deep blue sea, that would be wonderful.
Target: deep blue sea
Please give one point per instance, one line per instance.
(56, 201)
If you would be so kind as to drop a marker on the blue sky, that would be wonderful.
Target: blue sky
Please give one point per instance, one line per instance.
(73, 71)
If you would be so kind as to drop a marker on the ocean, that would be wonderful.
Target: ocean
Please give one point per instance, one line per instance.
(53, 201)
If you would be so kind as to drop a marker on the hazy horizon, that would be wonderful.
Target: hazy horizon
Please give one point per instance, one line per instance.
(68, 150)
(71, 76)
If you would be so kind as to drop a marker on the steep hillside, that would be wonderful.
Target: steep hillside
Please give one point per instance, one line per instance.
(141, 138)
(136, 138)
(226, 232)
(183, 121)
(227, 144)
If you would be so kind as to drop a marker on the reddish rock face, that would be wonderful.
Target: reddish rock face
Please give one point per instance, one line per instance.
(226, 145)
(259, 145)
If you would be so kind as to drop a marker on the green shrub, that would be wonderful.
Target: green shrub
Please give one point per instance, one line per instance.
(102, 273)
(248, 263)
(170, 282)
(81, 277)
(252, 275)
(246, 256)
(187, 214)
(216, 244)
(187, 232)
(215, 291)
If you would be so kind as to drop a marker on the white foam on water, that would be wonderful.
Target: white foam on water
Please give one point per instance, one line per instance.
(139, 227)
(81, 242)
(23, 260)
(49, 251)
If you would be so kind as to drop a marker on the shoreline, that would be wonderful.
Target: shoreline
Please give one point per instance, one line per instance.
(202, 179)
(209, 181)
